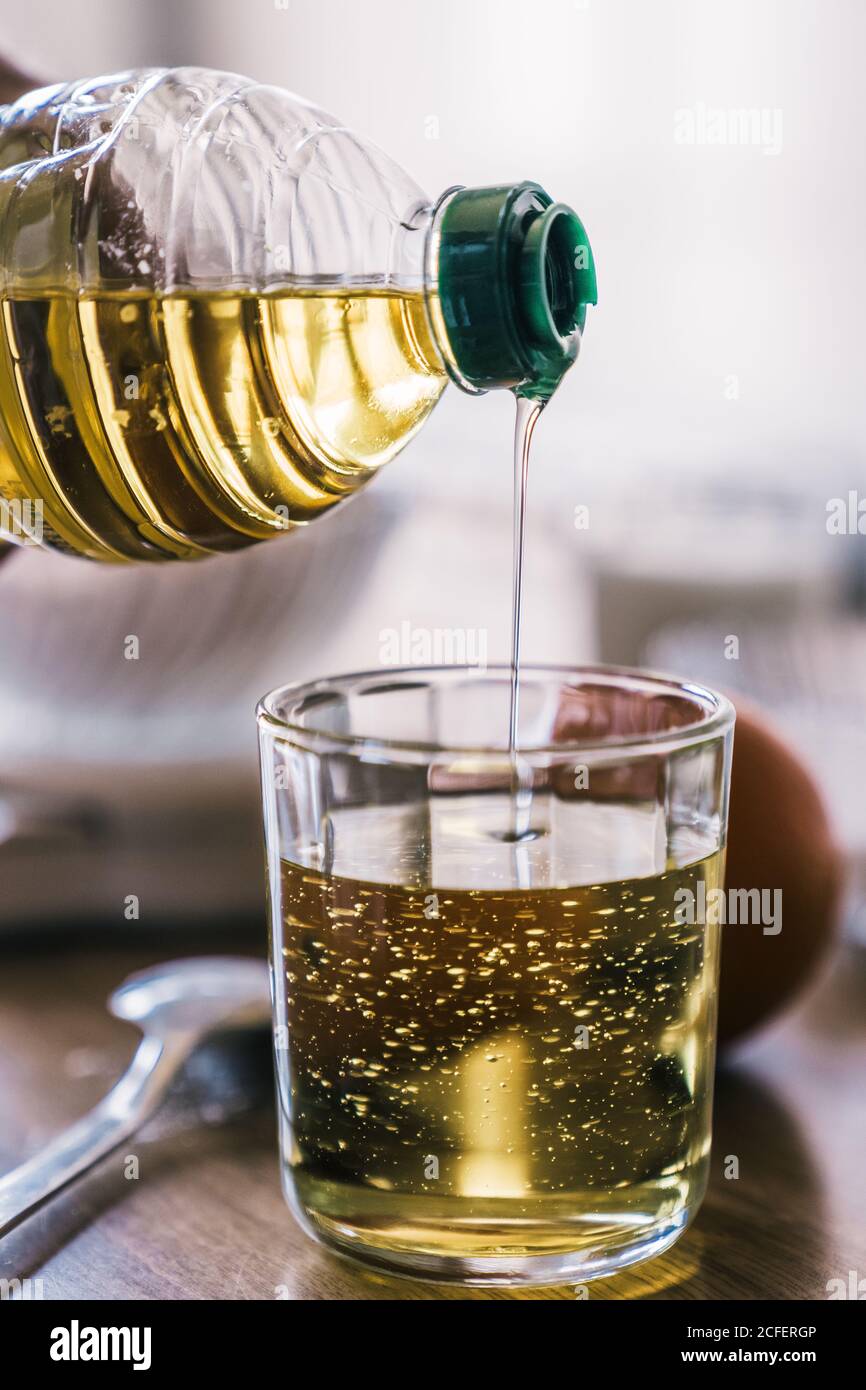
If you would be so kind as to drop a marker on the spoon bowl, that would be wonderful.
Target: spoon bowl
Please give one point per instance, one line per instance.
(195, 995)
(177, 1006)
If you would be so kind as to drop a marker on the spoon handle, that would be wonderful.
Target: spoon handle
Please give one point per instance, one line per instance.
(118, 1115)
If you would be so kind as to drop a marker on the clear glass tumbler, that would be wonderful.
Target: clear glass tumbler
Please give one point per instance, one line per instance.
(494, 985)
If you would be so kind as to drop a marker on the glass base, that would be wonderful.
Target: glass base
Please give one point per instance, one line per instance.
(536, 1257)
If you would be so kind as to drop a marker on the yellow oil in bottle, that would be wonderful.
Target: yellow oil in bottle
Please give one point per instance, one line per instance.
(156, 427)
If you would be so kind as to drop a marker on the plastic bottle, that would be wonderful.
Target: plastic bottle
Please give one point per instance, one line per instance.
(223, 312)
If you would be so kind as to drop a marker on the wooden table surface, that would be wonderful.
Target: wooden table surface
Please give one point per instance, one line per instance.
(205, 1218)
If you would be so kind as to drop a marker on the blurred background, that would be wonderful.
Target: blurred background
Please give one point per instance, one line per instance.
(681, 478)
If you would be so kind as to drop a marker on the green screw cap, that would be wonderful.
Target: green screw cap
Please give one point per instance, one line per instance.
(515, 275)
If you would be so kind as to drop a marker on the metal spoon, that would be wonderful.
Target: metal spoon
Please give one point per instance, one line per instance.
(176, 1006)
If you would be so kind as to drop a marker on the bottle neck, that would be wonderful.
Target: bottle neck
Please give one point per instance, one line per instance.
(508, 275)
(433, 299)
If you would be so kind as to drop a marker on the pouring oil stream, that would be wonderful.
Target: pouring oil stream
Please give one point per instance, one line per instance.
(526, 416)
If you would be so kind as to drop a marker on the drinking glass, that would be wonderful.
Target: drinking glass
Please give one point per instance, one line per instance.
(494, 984)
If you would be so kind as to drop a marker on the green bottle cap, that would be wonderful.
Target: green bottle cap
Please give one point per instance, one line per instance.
(515, 274)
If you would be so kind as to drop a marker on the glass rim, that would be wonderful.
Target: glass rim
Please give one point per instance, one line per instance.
(720, 713)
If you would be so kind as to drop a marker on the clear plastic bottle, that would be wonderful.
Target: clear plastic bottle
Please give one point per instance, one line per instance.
(223, 312)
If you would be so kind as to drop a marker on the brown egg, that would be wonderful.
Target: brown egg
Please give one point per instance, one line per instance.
(779, 837)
